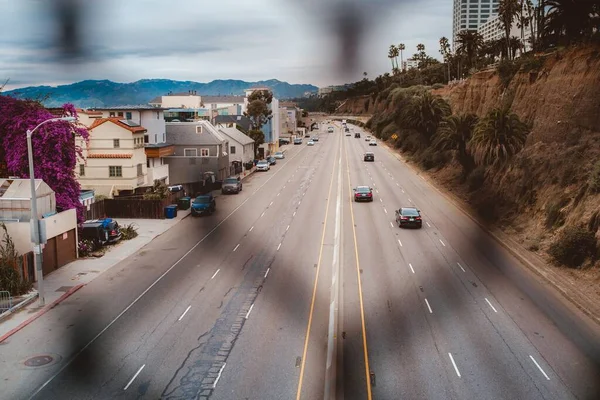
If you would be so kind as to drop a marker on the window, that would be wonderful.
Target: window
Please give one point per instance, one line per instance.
(147, 163)
(116, 143)
(128, 115)
(204, 153)
(81, 169)
(146, 139)
(472, 26)
(120, 113)
(155, 138)
(111, 114)
(232, 150)
(140, 170)
(463, 26)
(198, 129)
(115, 171)
(190, 152)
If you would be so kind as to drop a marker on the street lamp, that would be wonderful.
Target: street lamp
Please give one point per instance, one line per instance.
(35, 223)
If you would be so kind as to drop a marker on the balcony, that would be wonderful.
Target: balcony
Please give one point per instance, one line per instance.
(158, 172)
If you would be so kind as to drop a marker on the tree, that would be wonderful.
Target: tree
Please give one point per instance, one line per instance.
(425, 113)
(401, 48)
(497, 137)
(469, 43)
(454, 134)
(571, 20)
(446, 52)
(507, 11)
(365, 74)
(258, 110)
(54, 149)
(10, 261)
(392, 54)
(515, 45)
(259, 138)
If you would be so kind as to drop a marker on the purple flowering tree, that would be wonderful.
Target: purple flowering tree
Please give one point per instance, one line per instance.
(54, 150)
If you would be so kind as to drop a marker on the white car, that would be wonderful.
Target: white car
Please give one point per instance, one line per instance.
(279, 155)
(373, 142)
(263, 165)
(310, 143)
(330, 129)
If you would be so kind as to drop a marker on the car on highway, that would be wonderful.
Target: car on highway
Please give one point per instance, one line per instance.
(315, 138)
(409, 216)
(279, 155)
(271, 160)
(231, 185)
(330, 129)
(310, 143)
(363, 193)
(263, 165)
(369, 156)
(204, 204)
(298, 141)
(368, 138)
(357, 135)
(373, 142)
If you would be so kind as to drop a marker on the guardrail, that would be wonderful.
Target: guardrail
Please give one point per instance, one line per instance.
(5, 301)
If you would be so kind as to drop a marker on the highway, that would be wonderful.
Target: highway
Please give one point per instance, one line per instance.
(293, 291)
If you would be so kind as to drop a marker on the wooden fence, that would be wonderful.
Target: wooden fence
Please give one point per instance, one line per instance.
(131, 207)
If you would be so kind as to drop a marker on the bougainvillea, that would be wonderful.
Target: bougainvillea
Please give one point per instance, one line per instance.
(55, 152)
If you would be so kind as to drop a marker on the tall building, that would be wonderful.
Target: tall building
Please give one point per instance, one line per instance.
(470, 14)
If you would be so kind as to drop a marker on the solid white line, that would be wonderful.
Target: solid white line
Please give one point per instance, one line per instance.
(429, 307)
(270, 204)
(278, 246)
(540, 368)
(428, 224)
(262, 215)
(111, 323)
(249, 311)
(267, 273)
(400, 242)
(185, 312)
(392, 225)
(288, 227)
(236, 247)
(461, 267)
(442, 242)
(411, 268)
(215, 274)
(490, 305)
(135, 376)
(384, 210)
(219, 376)
(453, 363)
(251, 228)
(293, 215)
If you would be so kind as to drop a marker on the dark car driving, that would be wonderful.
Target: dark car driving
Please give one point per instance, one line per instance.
(409, 216)
(369, 156)
(363, 193)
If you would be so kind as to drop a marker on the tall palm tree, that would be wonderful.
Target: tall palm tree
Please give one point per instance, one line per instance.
(469, 42)
(497, 137)
(507, 11)
(392, 54)
(454, 134)
(401, 48)
(515, 45)
(569, 20)
(420, 47)
(425, 113)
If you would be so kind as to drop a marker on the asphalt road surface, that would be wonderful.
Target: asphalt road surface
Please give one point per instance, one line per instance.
(293, 291)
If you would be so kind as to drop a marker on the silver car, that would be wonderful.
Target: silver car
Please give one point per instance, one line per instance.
(263, 165)
(231, 185)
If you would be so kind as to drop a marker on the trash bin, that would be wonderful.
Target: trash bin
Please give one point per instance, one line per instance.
(184, 203)
(170, 212)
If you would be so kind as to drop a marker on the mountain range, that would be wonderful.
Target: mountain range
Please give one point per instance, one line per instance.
(99, 93)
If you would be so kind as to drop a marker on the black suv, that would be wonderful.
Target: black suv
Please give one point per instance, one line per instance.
(357, 135)
(100, 231)
(369, 157)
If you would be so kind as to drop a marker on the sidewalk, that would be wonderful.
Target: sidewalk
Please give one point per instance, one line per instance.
(66, 280)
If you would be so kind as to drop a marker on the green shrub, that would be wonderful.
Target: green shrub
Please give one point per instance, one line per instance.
(438, 85)
(533, 63)
(594, 179)
(129, 231)
(476, 178)
(432, 158)
(507, 70)
(573, 246)
(85, 247)
(389, 130)
(486, 205)
(555, 217)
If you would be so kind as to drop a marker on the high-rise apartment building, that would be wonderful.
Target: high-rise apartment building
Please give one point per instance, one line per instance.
(470, 14)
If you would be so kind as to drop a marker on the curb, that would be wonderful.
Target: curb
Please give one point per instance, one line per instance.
(530, 265)
(42, 312)
(22, 304)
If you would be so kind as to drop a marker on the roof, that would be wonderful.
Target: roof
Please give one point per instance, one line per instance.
(123, 123)
(184, 133)
(157, 145)
(129, 107)
(106, 155)
(20, 189)
(223, 99)
(237, 135)
(156, 100)
(240, 120)
(88, 112)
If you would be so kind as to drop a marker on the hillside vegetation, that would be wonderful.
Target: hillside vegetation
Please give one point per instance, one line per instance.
(521, 146)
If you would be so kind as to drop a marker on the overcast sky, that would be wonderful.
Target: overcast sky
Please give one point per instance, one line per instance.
(297, 41)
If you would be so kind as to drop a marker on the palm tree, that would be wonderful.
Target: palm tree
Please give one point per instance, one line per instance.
(420, 47)
(571, 19)
(392, 54)
(425, 113)
(454, 134)
(507, 11)
(469, 42)
(401, 48)
(515, 45)
(497, 137)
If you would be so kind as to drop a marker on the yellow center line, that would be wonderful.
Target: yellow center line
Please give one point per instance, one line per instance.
(314, 294)
(360, 296)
